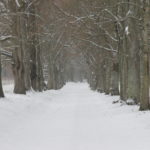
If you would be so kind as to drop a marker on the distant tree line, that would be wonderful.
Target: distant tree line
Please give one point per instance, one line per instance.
(109, 38)
(116, 45)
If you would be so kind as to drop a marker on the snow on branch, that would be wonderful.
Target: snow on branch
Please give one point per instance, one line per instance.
(6, 53)
(114, 16)
(77, 19)
(3, 38)
(108, 34)
(99, 46)
(64, 12)
(17, 3)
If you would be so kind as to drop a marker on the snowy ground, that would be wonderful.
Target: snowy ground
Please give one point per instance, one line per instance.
(73, 118)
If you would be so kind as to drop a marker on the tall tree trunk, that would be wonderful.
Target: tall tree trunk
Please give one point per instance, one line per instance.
(115, 79)
(27, 46)
(36, 70)
(133, 48)
(18, 63)
(144, 65)
(1, 88)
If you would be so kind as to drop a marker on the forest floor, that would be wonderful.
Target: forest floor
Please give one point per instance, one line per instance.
(73, 118)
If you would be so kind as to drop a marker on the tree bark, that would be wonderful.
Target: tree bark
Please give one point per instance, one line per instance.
(1, 88)
(18, 63)
(144, 65)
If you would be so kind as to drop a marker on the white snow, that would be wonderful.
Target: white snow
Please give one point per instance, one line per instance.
(127, 30)
(73, 118)
(130, 102)
(2, 38)
(17, 3)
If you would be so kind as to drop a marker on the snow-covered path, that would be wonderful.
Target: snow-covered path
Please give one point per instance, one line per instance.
(73, 118)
